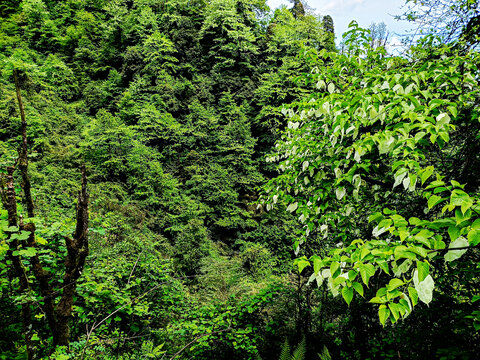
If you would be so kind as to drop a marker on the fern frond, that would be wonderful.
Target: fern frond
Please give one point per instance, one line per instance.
(325, 355)
(285, 354)
(300, 351)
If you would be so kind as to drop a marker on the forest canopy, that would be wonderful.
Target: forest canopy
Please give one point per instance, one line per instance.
(192, 179)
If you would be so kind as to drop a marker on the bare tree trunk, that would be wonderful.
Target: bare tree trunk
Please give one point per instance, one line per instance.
(41, 275)
(77, 249)
(10, 203)
(23, 151)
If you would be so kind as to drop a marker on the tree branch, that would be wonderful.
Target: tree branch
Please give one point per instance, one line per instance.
(23, 152)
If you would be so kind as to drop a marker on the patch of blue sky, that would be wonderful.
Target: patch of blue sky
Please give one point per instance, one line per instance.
(364, 12)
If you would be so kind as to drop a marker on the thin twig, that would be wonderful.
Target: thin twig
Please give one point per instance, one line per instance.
(196, 339)
(452, 249)
(134, 266)
(96, 325)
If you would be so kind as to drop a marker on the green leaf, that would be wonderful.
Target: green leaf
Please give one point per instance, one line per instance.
(358, 287)
(434, 200)
(403, 307)
(413, 295)
(454, 233)
(364, 253)
(400, 176)
(340, 193)
(406, 304)
(399, 221)
(317, 263)
(460, 216)
(414, 221)
(366, 271)
(383, 314)
(466, 205)
(28, 252)
(41, 240)
(420, 251)
(402, 234)
(424, 288)
(441, 223)
(439, 189)
(443, 119)
(339, 280)
(331, 88)
(394, 310)
(378, 300)
(292, 207)
(458, 197)
(387, 211)
(423, 269)
(453, 110)
(347, 293)
(384, 266)
(302, 264)
(394, 283)
(438, 244)
(334, 268)
(423, 237)
(381, 292)
(23, 235)
(10, 229)
(435, 184)
(393, 294)
(426, 174)
(461, 242)
(401, 252)
(457, 184)
(476, 224)
(377, 217)
(403, 268)
(352, 274)
(474, 237)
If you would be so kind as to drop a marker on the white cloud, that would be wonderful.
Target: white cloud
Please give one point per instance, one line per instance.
(330, 7)
(334, 7)
(395, 45)
(395, 41)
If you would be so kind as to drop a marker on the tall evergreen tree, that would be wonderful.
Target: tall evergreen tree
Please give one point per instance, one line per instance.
(329, 29)
(297, 9)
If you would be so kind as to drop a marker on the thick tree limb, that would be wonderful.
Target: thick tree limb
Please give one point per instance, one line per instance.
(23, 152)
(10, 203)
(77, 251)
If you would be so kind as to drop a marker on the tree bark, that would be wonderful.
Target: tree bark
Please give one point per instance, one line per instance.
(41, 275)
(23, 152)
(10, 203)
(77, 251)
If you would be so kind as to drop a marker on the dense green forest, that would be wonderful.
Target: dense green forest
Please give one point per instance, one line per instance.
(214, 179)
